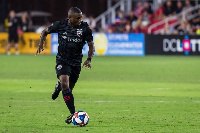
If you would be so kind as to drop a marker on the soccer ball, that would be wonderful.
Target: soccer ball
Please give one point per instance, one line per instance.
(80, 118)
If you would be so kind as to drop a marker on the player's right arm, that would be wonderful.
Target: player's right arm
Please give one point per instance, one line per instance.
(43, 36)
(53, 28)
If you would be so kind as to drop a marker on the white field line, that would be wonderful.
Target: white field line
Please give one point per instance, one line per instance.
(39, 101)
(159, 88)
(48, 91)
(28, 101)
(197, 101)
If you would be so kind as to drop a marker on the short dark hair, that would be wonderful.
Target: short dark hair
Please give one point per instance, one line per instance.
(74, 10)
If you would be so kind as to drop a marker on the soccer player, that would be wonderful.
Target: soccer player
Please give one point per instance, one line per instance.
(12, 32)
(72, 34)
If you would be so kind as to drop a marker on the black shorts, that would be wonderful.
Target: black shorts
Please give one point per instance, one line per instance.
(13, 37)
(72, 71)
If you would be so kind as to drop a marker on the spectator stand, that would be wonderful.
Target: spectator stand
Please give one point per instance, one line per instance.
(174, 20)
(148, 16)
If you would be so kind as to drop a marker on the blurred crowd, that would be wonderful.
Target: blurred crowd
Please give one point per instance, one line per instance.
(23, 23)
(136, 21)
(91, 22)
(142, 16)
(27, 23)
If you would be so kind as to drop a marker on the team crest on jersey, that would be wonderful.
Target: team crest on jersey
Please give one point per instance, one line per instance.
(59, 67)
(79, 32)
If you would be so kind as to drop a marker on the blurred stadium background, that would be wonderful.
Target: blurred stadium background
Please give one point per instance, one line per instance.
(144, 77)
(136, 24)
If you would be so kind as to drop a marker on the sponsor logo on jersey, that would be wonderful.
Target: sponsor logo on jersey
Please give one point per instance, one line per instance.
(70, 39)
(64, 37)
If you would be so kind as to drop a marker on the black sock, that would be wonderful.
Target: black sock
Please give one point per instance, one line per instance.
(69, 100)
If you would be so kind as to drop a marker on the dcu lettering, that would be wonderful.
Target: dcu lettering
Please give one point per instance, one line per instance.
(186, 46)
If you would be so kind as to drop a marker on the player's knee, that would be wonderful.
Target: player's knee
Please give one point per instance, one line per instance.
(64, 85)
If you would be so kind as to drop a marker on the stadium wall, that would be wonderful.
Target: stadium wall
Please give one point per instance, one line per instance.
(111, 44)
(28, 43)
(115, 44)
(172, 45)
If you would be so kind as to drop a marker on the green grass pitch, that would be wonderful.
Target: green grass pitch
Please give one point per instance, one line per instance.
(157, 94)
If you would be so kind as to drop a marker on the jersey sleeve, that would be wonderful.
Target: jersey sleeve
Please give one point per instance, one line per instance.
(88, 35)
(53, 28)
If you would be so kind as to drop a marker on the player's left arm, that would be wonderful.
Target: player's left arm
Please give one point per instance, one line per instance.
(87, 63)
(89, 39)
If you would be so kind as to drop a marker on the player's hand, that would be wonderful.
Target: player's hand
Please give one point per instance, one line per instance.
(87, 64)
(39, 49)
(10, 24)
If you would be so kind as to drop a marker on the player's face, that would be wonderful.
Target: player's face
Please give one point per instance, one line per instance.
(75, 19)
(12, 14)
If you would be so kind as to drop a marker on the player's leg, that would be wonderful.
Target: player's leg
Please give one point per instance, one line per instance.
(9, 45)
(57, 90)
(74, 76)
(75, 71)
(71, 85)
(63, 73)
(67, 96)
(8, 48)
(60, 69)
(16, 45)
(16, 49)
(67, 93)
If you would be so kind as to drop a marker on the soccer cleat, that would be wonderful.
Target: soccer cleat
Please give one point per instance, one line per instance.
(69, 119)
(56, 91)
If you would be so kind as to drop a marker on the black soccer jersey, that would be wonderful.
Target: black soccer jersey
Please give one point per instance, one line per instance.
(13, 28)
(71, 41)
